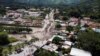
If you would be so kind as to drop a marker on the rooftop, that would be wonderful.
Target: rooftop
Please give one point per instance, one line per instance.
(79, 52)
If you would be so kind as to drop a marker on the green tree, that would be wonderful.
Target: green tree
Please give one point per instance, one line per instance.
(5, 52)
(69, 28)
(42, 52)
(58, 26)
(64, 18)
(1, 49)
(74, 14)
(90, 41)
(4, 38)
(77, 28)
(2, 11)
(10, 49)
(56, 40)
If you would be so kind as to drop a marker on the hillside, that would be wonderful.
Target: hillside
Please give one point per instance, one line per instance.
(40, 2)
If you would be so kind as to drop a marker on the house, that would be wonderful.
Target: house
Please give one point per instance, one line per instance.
(85, 20)
(79, 52)
(6, 21)
(73, 21)
(73, 24)
(97, 30)
(83, 29)
(28, 22)
(94, 25)
(37, 22)
(13, 14)
(66, 44)
(35, 14)
(20, 10)
(19, 20)
(64, 25)
(50, 47)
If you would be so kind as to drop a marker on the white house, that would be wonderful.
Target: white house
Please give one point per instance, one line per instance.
(79, 52)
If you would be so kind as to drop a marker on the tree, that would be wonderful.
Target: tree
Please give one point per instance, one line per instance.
(56, 40)
(4, 38)
(72, 39)
(2, 11)
(1, 49)
(56, 16)
(64, 18)
(66, 51)
(28, 30)
(90, 41)
(77, 28)
(42, 52)
(74, 14)
(10, 49)
(16, 29)
(5, 51)
(69, 28)
(58, 26)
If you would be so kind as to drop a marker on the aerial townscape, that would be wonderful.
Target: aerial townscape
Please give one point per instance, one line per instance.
(50, 28)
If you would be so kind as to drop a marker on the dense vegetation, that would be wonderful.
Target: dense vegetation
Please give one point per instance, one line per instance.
(15, 29)
(42, 52)
(57, 40)
(9, 49)
(69, 28)
(90, 41)
(2, 11)
(58, 26)
(5, 40)
(90, 8)
(7, 46)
